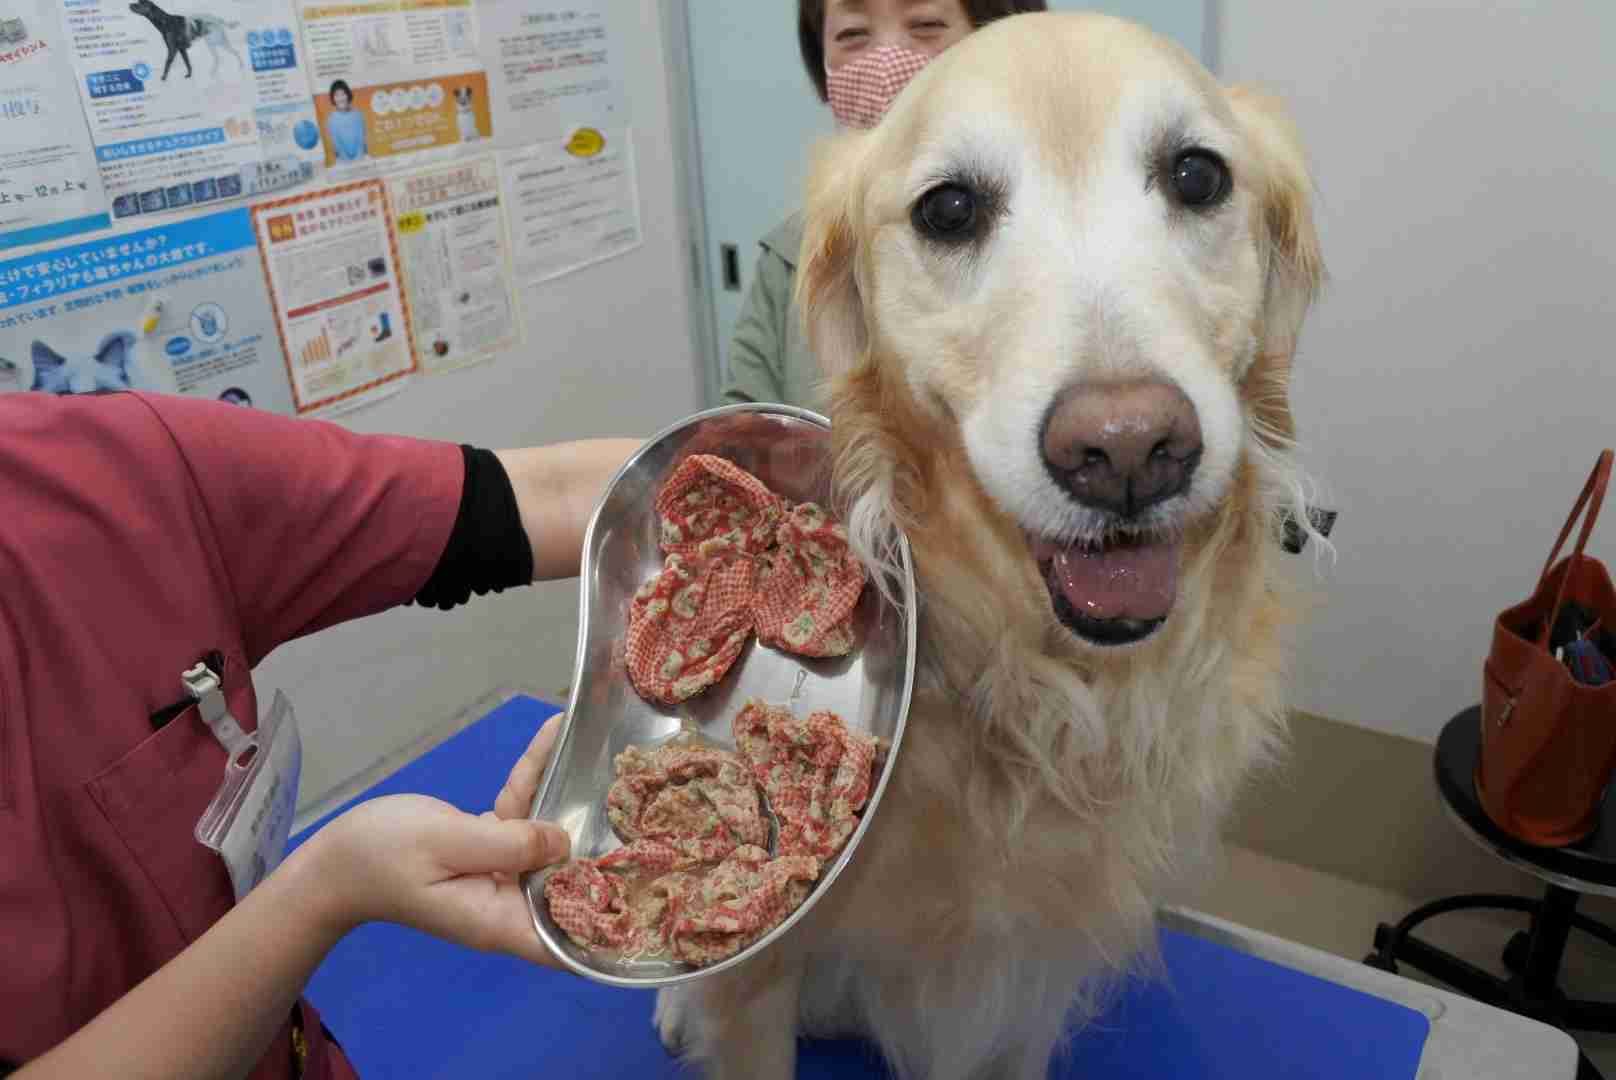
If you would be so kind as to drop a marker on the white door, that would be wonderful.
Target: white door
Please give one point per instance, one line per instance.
(757, 115)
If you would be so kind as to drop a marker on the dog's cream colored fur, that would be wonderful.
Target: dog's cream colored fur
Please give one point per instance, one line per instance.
(1049, 794)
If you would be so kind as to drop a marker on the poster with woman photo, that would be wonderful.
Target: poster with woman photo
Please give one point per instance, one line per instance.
(394, 78)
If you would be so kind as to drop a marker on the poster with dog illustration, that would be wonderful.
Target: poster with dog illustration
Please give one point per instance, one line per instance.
(179, 308)
(192, 102)
(50, 188)
(340, 310)
(395, 77)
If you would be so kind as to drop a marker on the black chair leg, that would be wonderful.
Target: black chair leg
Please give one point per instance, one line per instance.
(1532, 957)
(1392, 946)
(1551, 925)
(1394, 943)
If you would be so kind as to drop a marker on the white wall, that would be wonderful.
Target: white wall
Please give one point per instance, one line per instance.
(608, 352)
(1458, 379)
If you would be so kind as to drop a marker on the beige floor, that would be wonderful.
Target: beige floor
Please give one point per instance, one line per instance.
(1339, 916)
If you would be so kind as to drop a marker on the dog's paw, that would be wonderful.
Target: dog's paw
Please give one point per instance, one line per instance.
(671, 1018)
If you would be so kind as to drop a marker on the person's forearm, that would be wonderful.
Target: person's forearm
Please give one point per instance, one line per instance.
(214, 1009)
(557, 488)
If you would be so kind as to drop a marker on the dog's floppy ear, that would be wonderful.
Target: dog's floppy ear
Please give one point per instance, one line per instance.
(831, 305)
(1289, 243)
(827, 294)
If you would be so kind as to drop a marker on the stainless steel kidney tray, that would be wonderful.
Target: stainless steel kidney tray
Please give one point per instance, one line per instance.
(789, 450)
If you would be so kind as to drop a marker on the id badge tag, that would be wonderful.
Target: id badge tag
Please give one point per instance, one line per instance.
(250, 817)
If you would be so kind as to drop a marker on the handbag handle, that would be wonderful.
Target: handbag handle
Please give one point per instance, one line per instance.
(1593, 490)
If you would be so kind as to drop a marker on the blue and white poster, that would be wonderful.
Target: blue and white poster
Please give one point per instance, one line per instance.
(288, 135)
(50, 187)
(192, 102)
(178, 308)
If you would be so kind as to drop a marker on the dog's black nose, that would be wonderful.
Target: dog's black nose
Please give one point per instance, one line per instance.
(1122, 446)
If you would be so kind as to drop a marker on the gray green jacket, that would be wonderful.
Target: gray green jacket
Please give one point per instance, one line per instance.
(768, 351)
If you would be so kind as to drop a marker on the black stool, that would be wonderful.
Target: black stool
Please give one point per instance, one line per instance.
(1532, 956)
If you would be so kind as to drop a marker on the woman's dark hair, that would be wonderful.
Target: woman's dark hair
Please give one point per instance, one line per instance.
(340, 84)
(811, 29)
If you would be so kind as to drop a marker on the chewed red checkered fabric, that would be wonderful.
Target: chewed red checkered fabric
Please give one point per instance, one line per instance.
(687, 625)
(817, 774)
(739, 901)
(693, 879)
(710, 501)
(700, 801)
(808, 586)
(646, 858)
(590, 907)
(597, 905)
(861, 90)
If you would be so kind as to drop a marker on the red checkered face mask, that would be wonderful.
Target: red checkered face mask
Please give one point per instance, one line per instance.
(862, 89)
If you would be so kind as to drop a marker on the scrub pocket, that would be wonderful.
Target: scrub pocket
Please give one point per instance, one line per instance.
(153, 795)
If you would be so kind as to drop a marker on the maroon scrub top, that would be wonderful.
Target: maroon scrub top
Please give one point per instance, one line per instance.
(138, 534)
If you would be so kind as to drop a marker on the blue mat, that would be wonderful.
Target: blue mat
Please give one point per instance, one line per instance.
(406, 1005)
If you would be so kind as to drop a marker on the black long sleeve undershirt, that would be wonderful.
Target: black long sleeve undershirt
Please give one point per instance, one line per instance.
(488, 550)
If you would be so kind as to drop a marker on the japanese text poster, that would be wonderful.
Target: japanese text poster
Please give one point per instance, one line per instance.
(334, 283)
(178, 308)
(394, 77)
(289, 145)
(571, 203)
(176, 95)
(553, 68)
(49, 186)
(452, 243)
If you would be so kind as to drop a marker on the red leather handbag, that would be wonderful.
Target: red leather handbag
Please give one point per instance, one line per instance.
(1548, 741)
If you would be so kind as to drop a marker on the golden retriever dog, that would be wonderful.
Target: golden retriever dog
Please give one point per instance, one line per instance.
(1057, 292)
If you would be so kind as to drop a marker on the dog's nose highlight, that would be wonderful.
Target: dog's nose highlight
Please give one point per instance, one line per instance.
(1122, 446)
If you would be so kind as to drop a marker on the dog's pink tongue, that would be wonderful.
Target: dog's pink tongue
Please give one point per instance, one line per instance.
(1124, 582)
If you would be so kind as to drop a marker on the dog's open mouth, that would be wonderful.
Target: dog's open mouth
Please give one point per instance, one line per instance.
(1113, 593)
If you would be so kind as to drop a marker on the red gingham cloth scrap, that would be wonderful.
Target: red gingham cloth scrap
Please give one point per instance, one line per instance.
(701, 801)
(808, 586)
(817, 774)
(739, 901)
(590, 907)
(709, 501)
(688, 624)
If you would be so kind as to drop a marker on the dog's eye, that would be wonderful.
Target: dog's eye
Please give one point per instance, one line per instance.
(946, 212)
(1200, 178)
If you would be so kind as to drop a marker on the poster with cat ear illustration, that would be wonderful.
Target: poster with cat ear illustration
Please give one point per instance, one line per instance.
(177, 309)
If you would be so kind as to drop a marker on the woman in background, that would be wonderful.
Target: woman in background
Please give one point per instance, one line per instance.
(846, 45)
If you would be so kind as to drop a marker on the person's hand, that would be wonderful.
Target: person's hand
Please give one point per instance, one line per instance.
(522, 787)
(419, 862)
